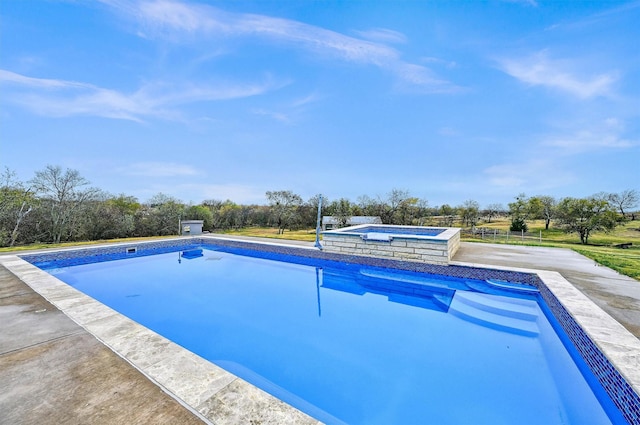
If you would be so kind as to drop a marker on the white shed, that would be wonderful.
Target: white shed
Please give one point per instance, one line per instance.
(191, 227)
(330, 222)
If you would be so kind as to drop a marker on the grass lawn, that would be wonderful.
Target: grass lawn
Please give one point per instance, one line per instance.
(35, 246)
(307, 235)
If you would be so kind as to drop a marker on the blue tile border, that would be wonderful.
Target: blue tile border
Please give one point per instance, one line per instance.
(618, 389)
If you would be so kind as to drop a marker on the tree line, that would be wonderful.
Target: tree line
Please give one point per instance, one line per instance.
(59, 205)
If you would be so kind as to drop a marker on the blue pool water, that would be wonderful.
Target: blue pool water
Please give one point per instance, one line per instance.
(397, 230)
(355, 344)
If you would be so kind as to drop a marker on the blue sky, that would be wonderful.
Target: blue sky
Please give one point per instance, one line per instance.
(451, 101)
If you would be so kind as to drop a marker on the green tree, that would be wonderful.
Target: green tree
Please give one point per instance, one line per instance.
(126, 205)
(284, 205)
(199, 212)
(123, 210)
(547, 211)
(469, 213)
(160, 216)
(16, 202)
(448, 215)
(586, 215)
(409, 211)
(308, 211)
(519, 212)
(342, 211)
(98, 220)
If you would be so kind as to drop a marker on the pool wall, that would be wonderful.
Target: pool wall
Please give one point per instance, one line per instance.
(438, 249)
(611, 352)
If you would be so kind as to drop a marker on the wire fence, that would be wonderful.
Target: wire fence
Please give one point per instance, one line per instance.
(489, 234)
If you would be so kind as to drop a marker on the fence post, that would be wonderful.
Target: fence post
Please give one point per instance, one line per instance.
(507, 235)
(494, 234)
(522, 237)
(540, 236)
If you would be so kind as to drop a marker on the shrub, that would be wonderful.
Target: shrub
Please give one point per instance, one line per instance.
(518, 224)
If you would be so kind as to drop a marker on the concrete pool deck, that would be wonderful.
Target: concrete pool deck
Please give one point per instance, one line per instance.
(54, 371)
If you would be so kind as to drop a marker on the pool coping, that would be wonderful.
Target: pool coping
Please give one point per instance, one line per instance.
(209, 390)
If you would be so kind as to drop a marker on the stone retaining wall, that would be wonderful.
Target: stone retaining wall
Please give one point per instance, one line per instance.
(400, 248)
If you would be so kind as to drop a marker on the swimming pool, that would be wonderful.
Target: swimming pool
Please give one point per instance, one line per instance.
(352, 342)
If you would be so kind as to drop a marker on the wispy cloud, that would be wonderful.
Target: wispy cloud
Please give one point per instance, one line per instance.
(439, 61)
(278, 116)
(60, 98)
(160, 169)
(606, 134)
(539, 70)
(12, 77)
(289, 112)
(186, 22)
(306, 100)
(382, 35)
(604, 17)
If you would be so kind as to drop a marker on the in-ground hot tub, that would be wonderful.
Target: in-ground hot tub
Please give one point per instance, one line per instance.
(428, 244)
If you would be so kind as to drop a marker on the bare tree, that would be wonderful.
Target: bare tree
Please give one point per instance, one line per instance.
(395, 200)
(62, 194)
(370, 206)
(625, 200)
(493, 210)
(548, 211)
(469, 212)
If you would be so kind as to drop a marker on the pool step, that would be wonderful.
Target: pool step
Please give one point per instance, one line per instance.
(507, 315)
(499, 287)
(515, 308)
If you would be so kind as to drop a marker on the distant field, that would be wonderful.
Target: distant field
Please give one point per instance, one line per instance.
(629, 232)
(308, 235)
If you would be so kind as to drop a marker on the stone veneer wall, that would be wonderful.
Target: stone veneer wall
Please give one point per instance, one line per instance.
(399, 248)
